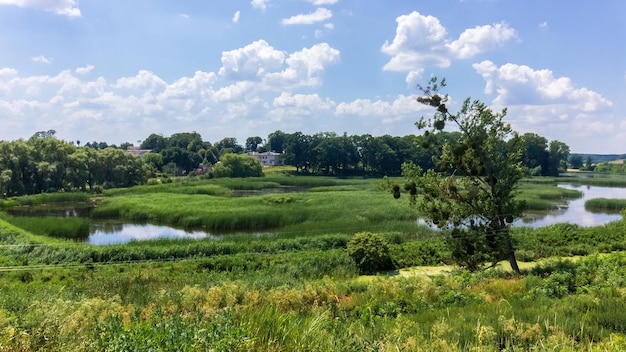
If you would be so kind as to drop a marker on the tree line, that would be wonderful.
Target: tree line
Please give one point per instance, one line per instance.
(44, 163)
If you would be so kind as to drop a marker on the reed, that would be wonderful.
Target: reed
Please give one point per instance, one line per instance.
(73, 228)
(605, 205)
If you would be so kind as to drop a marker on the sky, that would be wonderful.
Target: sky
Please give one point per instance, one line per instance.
(117, 71)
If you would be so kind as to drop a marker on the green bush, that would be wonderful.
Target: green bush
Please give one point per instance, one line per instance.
(370, 252)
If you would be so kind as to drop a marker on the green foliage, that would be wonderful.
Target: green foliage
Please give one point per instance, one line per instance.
(370, 252)
(472, 190)
(238, 165)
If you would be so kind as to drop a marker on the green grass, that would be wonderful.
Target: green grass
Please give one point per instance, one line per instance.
(544, 195)
(46, 198)
(605, 204)
(73, 228)
(295, 288)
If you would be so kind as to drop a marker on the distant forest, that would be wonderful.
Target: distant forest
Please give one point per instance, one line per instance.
(44, 163)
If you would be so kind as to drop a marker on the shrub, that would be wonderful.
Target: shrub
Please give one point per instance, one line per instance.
(370, 252)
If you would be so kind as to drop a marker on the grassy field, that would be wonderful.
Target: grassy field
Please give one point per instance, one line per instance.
(295, 288)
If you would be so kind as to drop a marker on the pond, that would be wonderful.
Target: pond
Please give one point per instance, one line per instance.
(116, 232)
(105, 232)
(573, 211)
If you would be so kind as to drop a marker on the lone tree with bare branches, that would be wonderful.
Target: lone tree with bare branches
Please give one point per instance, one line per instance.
(471, 194)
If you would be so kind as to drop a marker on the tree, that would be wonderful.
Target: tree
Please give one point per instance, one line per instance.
(252, 143)
(535, 155)
(154, 142)
(558, 154)
(229, 143)
(576, 161)
(471, 194)
(297, 150)
(276, 141)
(238, 165)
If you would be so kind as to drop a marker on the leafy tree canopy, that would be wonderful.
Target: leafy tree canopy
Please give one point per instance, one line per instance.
(470, 194)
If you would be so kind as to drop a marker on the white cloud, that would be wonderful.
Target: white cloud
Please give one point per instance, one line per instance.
(422, 41)
(419, 41)
(322, 2)
(67, 8)
(479, 39)
(42, 59)
(401, 108)
(256, 85)
(320, 15)
(414, 77)
(543, 25)
(259, 4)
(307, 101)
(251, 62)
(84, 70)
(236, 16)
(144, 80)
(536, 99)
(304, 66)
(520, 84)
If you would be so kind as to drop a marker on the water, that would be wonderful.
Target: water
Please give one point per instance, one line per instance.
(118, 232)
(574, 212)
(103, 233)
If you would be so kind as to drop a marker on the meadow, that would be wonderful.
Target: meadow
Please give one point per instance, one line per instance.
(294, 287)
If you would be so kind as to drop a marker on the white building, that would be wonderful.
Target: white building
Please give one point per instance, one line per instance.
(267, 158)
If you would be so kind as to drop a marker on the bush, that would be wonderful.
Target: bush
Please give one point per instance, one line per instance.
(370, 252)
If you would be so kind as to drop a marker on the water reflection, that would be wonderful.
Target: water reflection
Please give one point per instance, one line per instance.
(117, 233)
(574, 212)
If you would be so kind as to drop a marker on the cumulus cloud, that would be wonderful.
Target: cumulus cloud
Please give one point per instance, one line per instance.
(520, 84)
(303, 67)
(419, 41)
(42, 59)
(401, 108)
(479, 39)
(537, 98)
(252, 81)
(84, 70)
(251, 62)
(236, 16)
(422, 41)
(259, 4)
(67, 8)
(320, 15)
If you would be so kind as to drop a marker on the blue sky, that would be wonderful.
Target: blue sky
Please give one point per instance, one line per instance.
(116, 71)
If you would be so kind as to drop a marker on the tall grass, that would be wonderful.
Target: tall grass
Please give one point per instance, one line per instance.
(605, 204)
(545, 196)
(559, 306)
(45, 198)
(74, 228)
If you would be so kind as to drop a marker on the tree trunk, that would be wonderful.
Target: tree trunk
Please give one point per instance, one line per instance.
(511, 254)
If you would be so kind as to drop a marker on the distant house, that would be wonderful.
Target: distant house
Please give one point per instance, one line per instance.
(267, 158)
(136, 151)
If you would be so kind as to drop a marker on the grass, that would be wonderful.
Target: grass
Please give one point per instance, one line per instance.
(296, 288)
(605, 204)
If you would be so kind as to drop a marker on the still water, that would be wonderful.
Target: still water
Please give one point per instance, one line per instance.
(573, 210)
(117, 232)
(102, 233)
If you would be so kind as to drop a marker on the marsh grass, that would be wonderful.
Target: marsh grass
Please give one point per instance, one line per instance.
(605, 205)
(545, 195)
(46, 198)
(73, 228)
